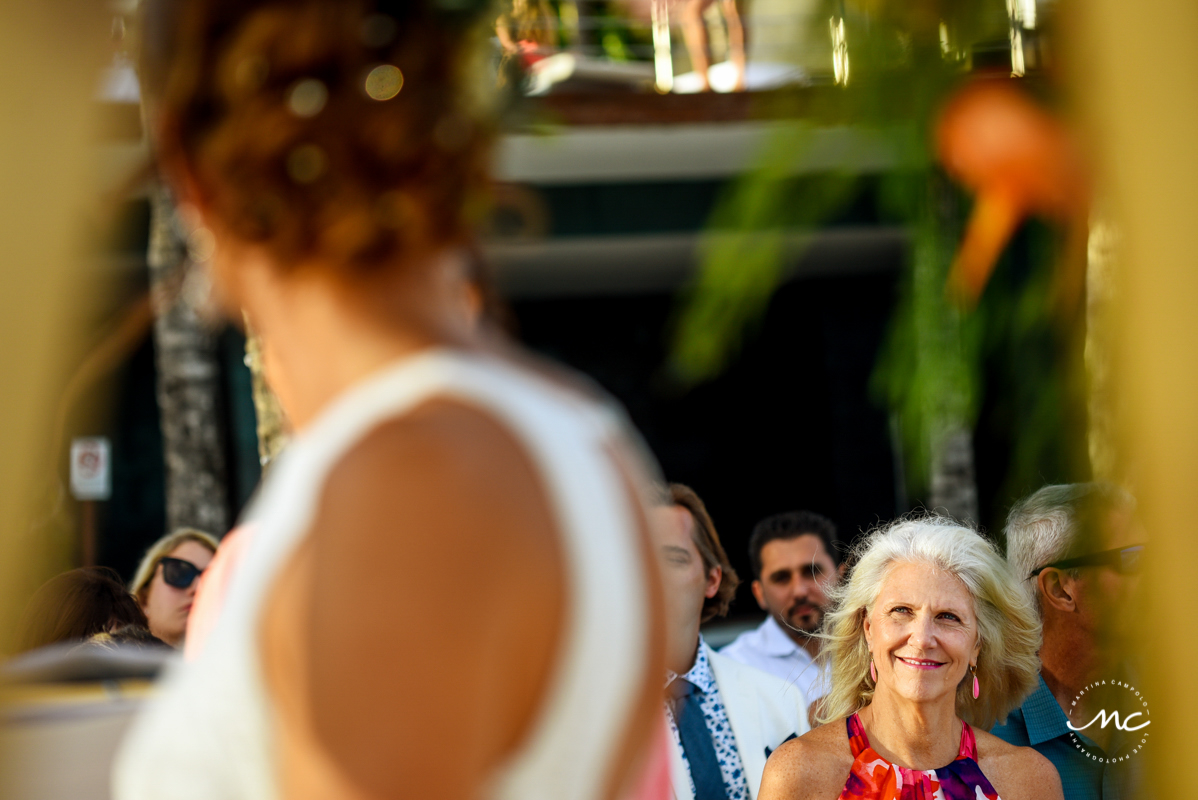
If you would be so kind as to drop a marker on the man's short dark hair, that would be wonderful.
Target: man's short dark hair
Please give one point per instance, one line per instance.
(792, 525)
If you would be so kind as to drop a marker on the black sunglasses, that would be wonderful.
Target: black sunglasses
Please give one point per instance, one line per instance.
(179, 573)
(1125, 561)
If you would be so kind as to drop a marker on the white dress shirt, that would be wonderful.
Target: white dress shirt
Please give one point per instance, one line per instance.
(768, 648)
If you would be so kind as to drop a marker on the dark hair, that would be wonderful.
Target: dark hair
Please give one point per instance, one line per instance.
(268, 105)
(77, 605)
(707, 541)
(791, 525)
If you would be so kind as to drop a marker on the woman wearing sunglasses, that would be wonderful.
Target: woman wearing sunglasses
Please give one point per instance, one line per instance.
(165, 583)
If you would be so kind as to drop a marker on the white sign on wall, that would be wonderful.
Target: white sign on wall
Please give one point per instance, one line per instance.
(91, 468)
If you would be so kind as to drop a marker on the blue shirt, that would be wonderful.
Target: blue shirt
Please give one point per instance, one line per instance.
(716, 717)
(1041, 724)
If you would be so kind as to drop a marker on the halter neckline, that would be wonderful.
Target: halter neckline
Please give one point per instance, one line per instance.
(860, 742)
(872, 777)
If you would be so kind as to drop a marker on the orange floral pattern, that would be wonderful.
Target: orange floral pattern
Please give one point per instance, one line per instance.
(874, 778)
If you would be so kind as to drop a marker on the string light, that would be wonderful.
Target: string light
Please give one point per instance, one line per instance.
(840, 51)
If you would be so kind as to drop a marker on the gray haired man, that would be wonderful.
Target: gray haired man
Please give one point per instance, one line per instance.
(1078, 549)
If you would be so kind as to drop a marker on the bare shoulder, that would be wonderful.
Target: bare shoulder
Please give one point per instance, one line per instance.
(459, 440)
(428, 518)
(811, 767)
(1016, 772)
(444, 463)
(442, 481)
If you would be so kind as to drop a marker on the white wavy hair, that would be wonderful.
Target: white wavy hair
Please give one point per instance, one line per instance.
(1045, 526)
(1008, 625)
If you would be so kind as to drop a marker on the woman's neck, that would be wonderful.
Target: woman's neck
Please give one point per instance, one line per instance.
(323, 334)
(920, 736)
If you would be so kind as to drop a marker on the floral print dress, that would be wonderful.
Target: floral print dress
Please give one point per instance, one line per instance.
(874, 778)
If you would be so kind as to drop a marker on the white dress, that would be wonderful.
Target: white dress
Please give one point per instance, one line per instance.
(209, 732)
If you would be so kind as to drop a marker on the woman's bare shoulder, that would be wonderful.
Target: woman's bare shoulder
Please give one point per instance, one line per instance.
(1017, 773)
(814, 766)
(446, 490)
(439, 454)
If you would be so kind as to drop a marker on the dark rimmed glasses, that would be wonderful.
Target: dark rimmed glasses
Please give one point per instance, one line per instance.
(179, 573)
(1124, 560)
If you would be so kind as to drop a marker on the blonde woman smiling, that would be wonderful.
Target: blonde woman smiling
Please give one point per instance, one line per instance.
(931, 641)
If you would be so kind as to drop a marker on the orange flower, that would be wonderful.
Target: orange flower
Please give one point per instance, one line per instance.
(1019, 159)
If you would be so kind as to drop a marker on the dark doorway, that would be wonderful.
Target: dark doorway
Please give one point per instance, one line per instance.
(790, 425)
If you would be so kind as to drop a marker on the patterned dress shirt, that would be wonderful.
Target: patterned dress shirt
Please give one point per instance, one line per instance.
(716, 717)
(1040, 723)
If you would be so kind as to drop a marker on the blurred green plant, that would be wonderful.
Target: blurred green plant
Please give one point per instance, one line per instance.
(929, 371)
(620, 35)
(743, 251)
(614, 46)
(902, 72)
(906, 58)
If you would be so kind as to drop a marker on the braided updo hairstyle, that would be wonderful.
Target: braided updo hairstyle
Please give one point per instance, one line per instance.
(352, 131)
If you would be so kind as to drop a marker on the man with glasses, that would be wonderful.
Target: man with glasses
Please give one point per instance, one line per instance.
(1079, 550)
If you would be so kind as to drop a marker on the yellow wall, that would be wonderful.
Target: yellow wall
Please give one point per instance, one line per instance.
(50, 51)
(1136, 66)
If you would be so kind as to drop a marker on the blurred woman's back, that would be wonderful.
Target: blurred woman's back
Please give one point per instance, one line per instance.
(448, 590)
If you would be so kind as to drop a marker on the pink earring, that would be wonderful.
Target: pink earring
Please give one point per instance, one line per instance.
(976, 690)
(873, 672)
